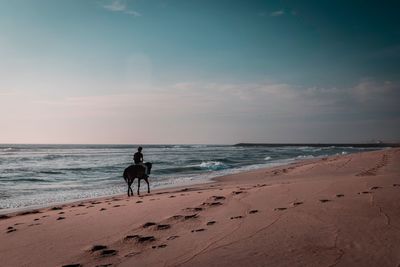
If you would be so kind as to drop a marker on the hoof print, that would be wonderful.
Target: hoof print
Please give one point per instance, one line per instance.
(218, 197)
(297, 203)
(236, 217)
(198, 230)
(72, 265)
(364, 192)
(60, 218)
(97, 248)
(339, 195)
(11, 230)
(143, 239)
(56, 208)
(103, 209)
(163, 226)
(395, 185)
(188, 217)
(108, 252)
(237, 192)
(211, 222)
(280, 209)
(160, 246)
(375, 187)
(139, 201)
(148, 224)
(324, 200)
(253, 211)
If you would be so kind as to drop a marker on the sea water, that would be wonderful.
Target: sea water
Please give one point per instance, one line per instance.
(37, 175)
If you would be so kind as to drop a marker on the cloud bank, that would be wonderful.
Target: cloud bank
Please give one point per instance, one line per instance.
(190, 112)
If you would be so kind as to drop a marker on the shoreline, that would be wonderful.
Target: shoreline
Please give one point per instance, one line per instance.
(216, 179)
(15, 211)
(338, 210)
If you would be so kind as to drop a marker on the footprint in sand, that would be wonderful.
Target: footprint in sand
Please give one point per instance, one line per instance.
(339, 195)
(103, 209)
(218, 198)
(56, 208)
(253, 211)
(295, 204)
(73, 265)
(163, 226)
(280, 209)
(236, 217)
(60, 218)
(211, 204)
(395, 185)
(159, 246)
(324, 200)
(36, 219)
(116, 206)
(237, 192)
(108, 252)
(61, 212)
(10, 229)
(81, 205)
(140, 239)
(211, 222)
(97, 248)
(364, 192)
(139, 201)
(188, 217)
(198, 230)
(148, 224)
(375, 188)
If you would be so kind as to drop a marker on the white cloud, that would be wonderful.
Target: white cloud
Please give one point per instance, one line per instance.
(278, 13)
(120, 6)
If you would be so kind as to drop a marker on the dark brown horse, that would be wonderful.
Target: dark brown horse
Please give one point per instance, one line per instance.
(137, 171)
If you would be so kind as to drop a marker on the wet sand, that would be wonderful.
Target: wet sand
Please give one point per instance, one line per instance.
(335, 211)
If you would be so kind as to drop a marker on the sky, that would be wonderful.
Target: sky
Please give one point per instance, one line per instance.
(194, 72)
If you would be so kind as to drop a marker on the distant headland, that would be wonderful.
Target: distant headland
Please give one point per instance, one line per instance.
(379, 144)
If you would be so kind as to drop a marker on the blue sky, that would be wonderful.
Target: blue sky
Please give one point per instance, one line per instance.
(199, 71)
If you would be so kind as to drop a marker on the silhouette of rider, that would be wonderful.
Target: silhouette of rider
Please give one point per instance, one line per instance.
(138, 159)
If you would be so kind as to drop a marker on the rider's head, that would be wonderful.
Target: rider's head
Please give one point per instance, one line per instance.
(140, 149)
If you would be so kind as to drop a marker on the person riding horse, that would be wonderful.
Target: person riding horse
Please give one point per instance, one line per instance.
(138, 170)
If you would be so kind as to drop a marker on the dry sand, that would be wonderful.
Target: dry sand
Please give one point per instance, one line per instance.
(337, 211)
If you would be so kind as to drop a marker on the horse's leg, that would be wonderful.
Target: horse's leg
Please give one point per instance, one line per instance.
(130, 186)
(130, 189)
(148, 185)
(138, 186)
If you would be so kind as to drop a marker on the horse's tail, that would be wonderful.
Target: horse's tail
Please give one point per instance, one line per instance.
(125, 175)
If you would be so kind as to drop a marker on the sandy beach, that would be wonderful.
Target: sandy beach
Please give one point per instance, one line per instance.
(334, 211)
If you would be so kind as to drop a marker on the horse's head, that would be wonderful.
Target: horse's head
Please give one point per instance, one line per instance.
(149, 165)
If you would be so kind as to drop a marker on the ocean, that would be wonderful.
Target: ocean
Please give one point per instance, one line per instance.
(39, 175)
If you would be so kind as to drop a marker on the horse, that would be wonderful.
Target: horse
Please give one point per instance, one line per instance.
(137, 171)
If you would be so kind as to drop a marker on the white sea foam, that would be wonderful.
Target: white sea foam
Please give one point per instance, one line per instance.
(213, 165)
